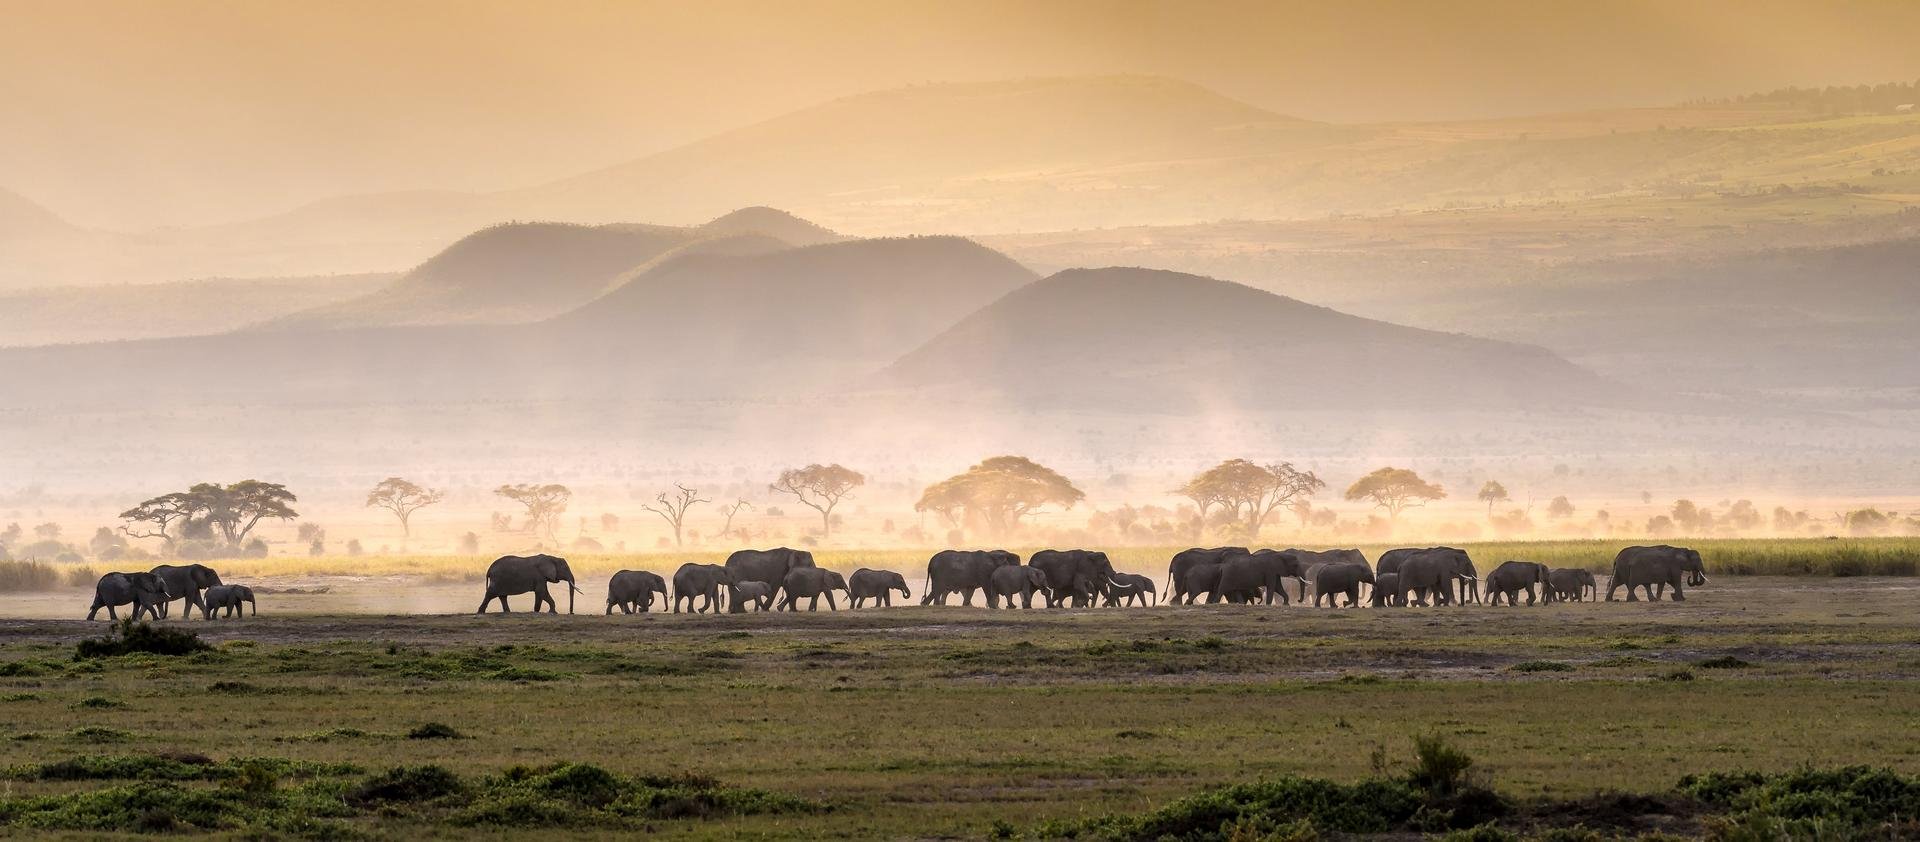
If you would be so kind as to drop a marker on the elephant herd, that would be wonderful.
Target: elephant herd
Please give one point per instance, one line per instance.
(780, 578)
(153, 592)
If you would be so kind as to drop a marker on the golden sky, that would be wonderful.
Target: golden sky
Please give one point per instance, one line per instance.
(131, 114)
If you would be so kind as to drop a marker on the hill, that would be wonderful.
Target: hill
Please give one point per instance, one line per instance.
(528, 271)
(181, 308)
(21, 217)
(1142, 340)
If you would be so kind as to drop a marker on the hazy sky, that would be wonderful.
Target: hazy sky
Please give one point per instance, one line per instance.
(130, 114)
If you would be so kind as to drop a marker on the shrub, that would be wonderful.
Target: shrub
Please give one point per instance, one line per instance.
(1724, 662)
(1541, 666)
(434, 731)
(405, 784)
(126, 637)
(1438, 767)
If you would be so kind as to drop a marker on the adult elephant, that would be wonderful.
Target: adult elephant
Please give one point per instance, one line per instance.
(1512, 577)
(769, 566)
(1073, 574)
(146, 592)
(1020, 580)
(1573, 584)
(1391, 560)
(1246, 576)
(1345, 577)
(185, 581)
(1310, 562)
(511, 575)
(1435, 572)
(1187, 558)
(633, 590)
(811, 583)
(695, 580)
(962, 572)
(877, 585)
(1663, 565)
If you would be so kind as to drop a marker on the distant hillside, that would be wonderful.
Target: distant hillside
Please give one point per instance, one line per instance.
(1146, 340)
(524, 272)
(62, 315)
(774, 223)
(20, 217)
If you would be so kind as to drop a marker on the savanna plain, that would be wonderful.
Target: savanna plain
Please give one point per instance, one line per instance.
(1575, 720)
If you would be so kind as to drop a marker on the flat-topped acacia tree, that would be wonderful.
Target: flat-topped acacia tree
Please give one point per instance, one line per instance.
(403, 498)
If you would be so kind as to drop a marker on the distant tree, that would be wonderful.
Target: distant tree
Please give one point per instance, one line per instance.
(1560, 508)
(1249, 493)
(998, 492)
(609, 522)
(673, 509)
(820, 487)
(729, 511)
(1659, 526)
(1686, 514)
(403, 498)
(105, 541)
(1646, 497)
(1788, 521)
(545, 504)
(1493, 492)
(1394, 489)
(11, 535)
(1742, 516)
(470, 544)
(353, 547)
(1868, 521)
(225, 514)
(47, 531)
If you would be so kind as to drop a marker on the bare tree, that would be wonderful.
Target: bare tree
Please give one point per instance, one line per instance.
(674, 509)
(820, 487)
(730, 510)
(403, 498)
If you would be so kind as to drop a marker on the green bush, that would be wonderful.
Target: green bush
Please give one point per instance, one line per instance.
(1541, 666)
(434, 731)
(126, 637)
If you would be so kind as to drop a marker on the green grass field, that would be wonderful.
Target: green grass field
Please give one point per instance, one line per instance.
(930, 722)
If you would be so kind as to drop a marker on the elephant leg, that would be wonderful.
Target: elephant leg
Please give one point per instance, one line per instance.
(830, 605)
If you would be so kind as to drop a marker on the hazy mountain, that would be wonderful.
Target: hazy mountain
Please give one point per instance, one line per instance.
(524, 272)
(1152, 341)
(20, 217)
(182, 308)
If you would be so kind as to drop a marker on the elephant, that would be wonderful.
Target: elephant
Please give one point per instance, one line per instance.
(1435, 572)
(769, 566)
(1127, 589)
(1661, 566)
(633, 590)
(146, 592)
(1198, 579)
(228, 597)
(1390, 561)
(962, 572)
(811, 583)
(1187, 558)
(1310, 562)
(1017, 580)
(694, 580)
(877, 585)
(1075, 574)
(1247, 575)
(754, 594)
(1331, 580)
(185, 581)
(1573, 584)
(1512, 577)
(1386, 590)
(511, 575)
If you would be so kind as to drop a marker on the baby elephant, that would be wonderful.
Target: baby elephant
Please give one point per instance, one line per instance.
(1573, 585)
(633, 590)
(1512, 577)
(877, 585)
(811, 583)
(1127, 589)
(228, 597)
(1011, 580)
(1386, 591)
(1331, 580)
(757, 595)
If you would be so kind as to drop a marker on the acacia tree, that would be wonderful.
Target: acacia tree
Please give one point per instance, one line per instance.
(403, 498)
(1493, 492)
(673, 509)
(1394, 489)
(820, 487)
(227, 512)
(998, 492)
(1560, 508)
(1251, 492)
(545, 504)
